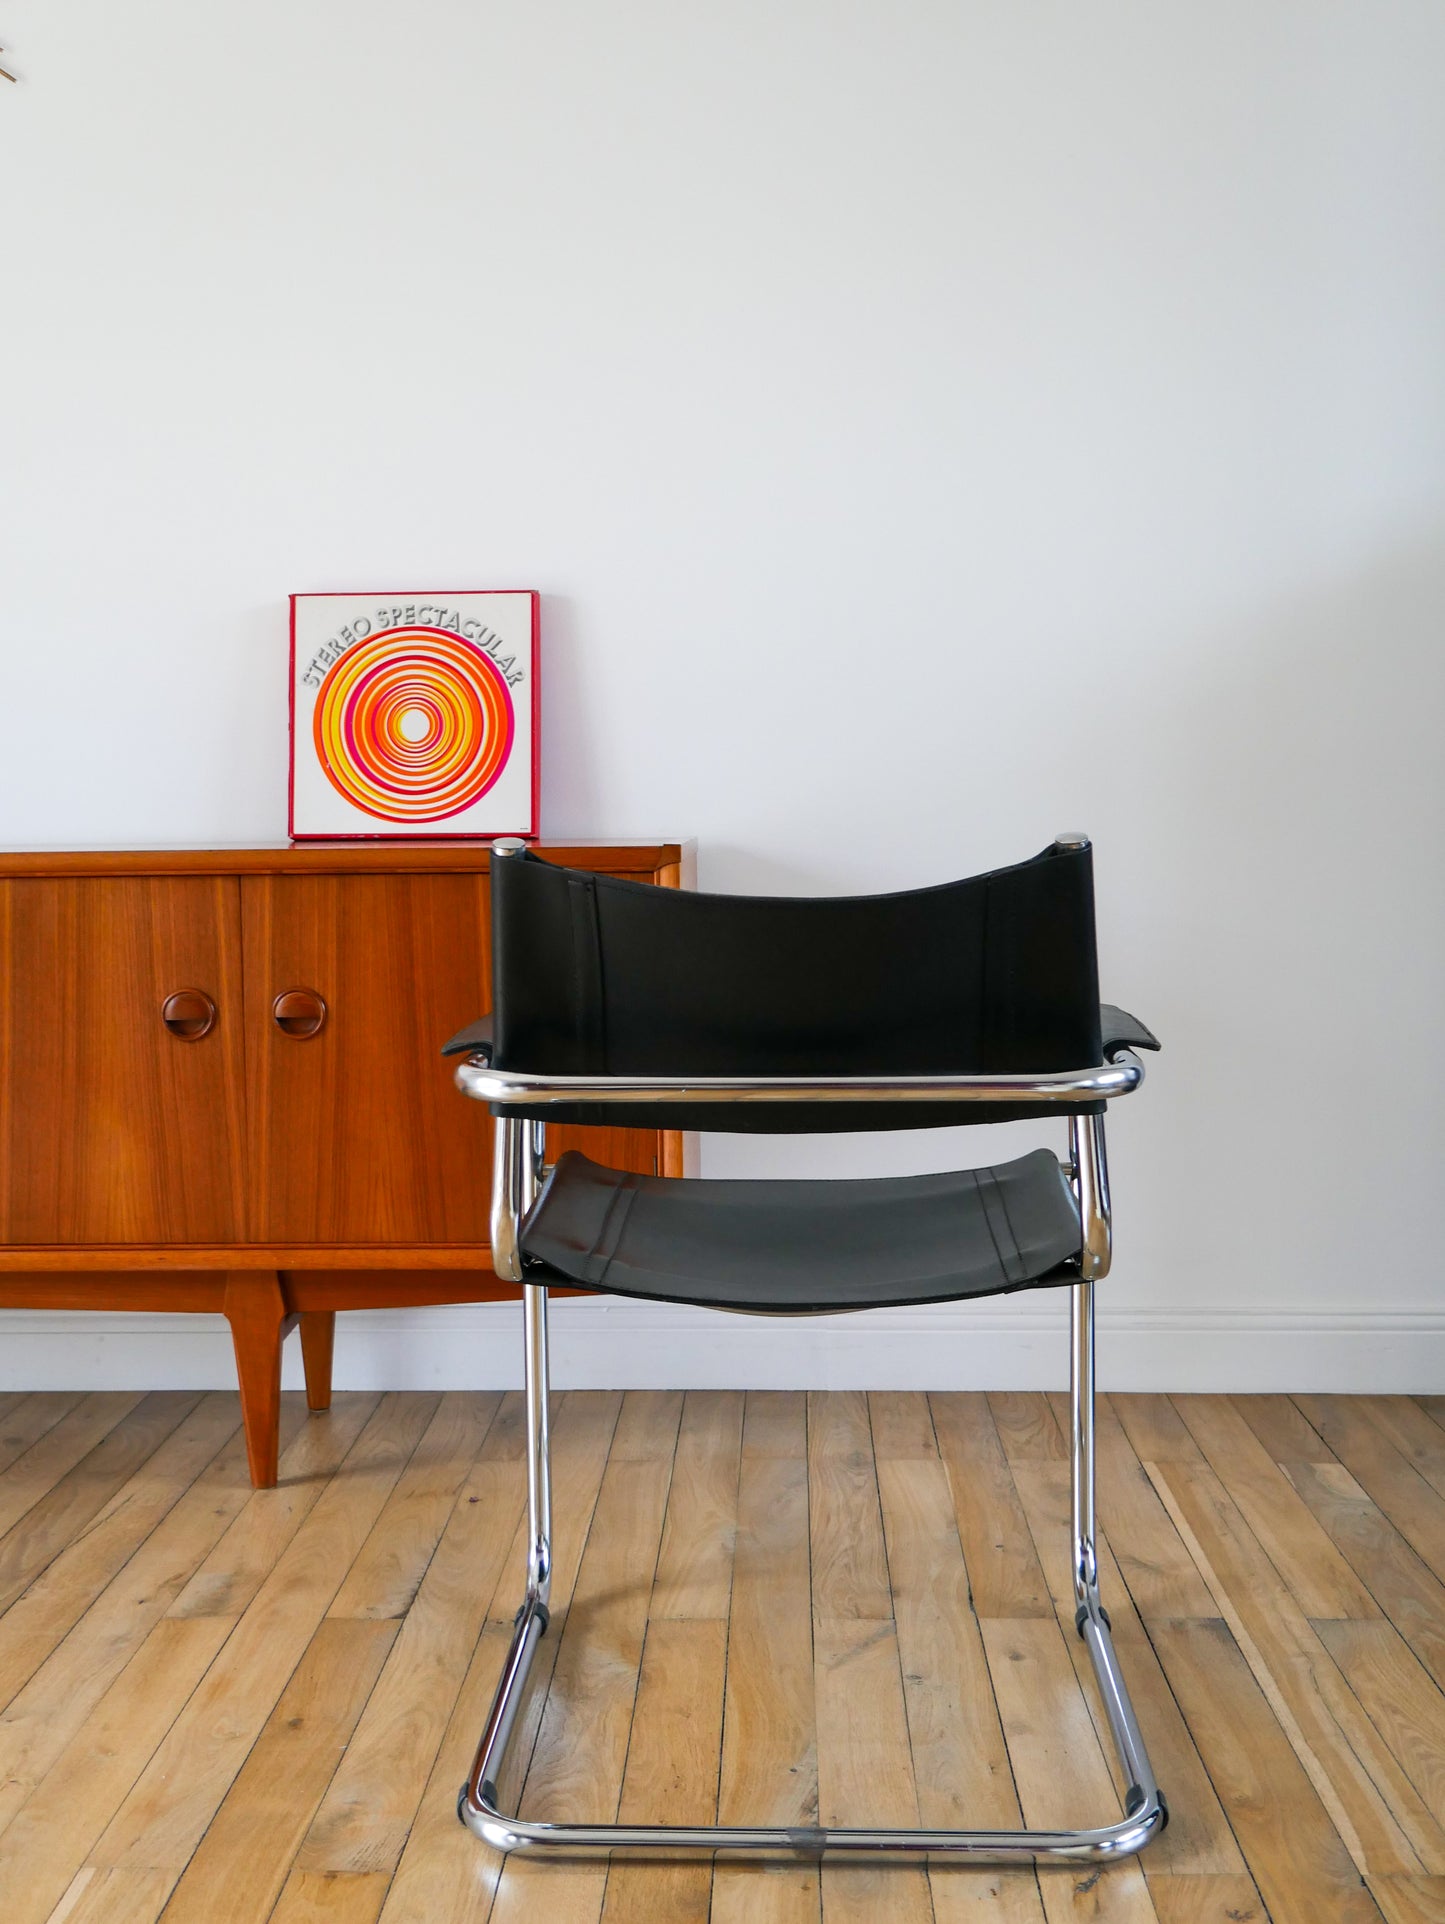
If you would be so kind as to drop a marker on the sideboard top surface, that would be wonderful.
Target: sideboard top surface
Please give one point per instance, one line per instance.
(330, 858)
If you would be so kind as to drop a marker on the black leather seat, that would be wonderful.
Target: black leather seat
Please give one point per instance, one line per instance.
(805, 1246)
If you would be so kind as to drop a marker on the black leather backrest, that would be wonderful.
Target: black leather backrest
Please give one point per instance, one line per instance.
(593, 974)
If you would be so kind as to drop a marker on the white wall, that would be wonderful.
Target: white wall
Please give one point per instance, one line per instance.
(931, 426)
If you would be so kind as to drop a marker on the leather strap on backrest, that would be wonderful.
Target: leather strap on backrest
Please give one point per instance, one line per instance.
(589, 1003)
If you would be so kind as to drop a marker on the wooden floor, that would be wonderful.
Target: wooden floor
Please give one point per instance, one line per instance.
(222, 1707)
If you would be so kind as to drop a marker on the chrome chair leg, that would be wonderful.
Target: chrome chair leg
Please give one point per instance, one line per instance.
(1091, 1618)
(532, 1619)
(1081, 1441)
(1089, 1172)
(1145, 1811)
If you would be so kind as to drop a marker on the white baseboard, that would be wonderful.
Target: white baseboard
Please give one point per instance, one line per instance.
(1008, 1343)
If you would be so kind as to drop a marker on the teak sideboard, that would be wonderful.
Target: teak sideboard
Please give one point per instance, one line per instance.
(221, 1088)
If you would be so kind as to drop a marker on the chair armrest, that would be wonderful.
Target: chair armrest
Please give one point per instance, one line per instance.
(1123, 1031)
(1120, 1030)
(1064, 1086)
(475, 1039)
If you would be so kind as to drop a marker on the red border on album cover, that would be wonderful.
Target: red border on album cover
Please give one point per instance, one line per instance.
(402, 832)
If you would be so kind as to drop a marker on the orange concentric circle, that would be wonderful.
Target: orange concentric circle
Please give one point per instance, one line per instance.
(414, 724)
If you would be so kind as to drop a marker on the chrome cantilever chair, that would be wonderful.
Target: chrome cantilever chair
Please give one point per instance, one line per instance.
(623, 1003)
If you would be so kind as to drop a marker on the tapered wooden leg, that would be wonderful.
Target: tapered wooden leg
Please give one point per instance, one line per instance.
(318, 1336)
(256, 1310)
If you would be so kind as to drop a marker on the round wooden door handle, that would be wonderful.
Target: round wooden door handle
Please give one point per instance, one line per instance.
(189, 1014)
(299, 1013)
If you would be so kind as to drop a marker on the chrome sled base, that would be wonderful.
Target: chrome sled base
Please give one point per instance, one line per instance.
(1145, 1812)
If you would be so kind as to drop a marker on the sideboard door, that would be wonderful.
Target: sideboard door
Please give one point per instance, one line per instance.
(357, 1132)
(121, 1094)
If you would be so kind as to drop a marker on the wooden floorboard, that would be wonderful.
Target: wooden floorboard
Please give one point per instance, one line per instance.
(226, 1706)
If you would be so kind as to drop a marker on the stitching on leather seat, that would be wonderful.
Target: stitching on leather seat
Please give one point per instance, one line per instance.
(605, 1243)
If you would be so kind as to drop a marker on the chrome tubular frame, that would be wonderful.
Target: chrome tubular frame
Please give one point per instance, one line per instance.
(518, 1166)
(1120, 1076)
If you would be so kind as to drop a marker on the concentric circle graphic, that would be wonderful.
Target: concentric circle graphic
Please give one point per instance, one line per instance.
(413, 725)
